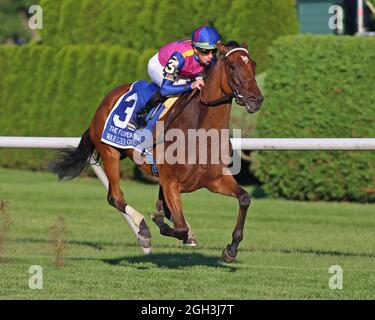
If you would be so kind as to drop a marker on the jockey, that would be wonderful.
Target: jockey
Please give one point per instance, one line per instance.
(176, 66)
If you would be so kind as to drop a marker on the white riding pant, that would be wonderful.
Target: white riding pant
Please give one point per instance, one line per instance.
(155, 71)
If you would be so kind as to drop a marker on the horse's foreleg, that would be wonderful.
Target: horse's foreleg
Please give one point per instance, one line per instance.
(162, 211)
(171, 199)
(228, 186)
(111, 165)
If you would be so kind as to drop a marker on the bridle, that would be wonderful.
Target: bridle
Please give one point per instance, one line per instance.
(236, 91)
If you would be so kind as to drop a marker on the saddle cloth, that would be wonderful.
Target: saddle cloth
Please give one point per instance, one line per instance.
(118, 132)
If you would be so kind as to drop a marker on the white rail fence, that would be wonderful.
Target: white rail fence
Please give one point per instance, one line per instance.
(359, 144)
(238, 143)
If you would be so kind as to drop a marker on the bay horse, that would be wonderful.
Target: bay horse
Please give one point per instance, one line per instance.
(233, 76)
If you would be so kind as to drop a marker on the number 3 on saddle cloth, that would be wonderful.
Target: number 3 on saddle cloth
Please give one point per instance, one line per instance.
(119, 133)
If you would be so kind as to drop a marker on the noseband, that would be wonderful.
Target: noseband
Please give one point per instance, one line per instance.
(236, 92)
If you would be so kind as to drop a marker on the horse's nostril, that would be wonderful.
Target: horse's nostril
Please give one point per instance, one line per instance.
(252, 98)
(260, 99)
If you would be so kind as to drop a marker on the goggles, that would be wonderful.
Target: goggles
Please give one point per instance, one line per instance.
(206, 52)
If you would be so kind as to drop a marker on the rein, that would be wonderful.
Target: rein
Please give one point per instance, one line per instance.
(226, 99)
(235, 94)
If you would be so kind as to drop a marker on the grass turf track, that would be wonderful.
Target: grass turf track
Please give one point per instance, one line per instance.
(287, 249)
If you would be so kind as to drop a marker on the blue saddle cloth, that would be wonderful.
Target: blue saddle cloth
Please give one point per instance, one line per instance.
(116, 130)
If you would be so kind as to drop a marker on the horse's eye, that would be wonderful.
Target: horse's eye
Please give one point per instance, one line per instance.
(232, 67)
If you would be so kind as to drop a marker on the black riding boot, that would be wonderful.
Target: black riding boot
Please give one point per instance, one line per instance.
(141, 116)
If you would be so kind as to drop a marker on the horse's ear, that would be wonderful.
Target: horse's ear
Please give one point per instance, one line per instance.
(222, 48)
(244, 45)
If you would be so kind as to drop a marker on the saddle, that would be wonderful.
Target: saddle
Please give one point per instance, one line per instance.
(155, 107)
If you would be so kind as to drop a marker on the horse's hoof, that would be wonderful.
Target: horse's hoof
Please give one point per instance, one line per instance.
(156, 215)
(158, 218)
(227, 257)
(144, 242)
(144, 235)
(147, 251)
(191, 242)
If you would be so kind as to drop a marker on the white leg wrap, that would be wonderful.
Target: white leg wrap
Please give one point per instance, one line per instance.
(136, 216)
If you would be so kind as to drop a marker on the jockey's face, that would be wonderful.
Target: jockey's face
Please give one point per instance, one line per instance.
(204, 55)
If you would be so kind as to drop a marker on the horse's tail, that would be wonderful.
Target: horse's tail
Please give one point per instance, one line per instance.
(71, 162)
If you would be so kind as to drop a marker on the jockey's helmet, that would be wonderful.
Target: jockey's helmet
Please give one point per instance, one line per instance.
(205, 37)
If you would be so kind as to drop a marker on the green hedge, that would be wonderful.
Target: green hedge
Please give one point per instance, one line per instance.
(319, 86)
(46, 91)
(152, 23)
(53, 89)
(11, 20)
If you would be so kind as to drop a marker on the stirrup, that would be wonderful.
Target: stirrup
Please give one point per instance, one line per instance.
(132, 125)
(140, 118)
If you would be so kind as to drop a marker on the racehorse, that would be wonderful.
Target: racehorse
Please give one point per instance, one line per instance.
(233, 76)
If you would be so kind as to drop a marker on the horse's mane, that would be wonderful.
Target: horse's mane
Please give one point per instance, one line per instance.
(230, 45)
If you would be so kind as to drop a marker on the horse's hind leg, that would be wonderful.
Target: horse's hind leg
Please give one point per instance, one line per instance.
(115, 197)
(228, 186)
(162, 211)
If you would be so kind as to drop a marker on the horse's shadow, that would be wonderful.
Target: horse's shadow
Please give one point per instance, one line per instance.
(170, 261)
